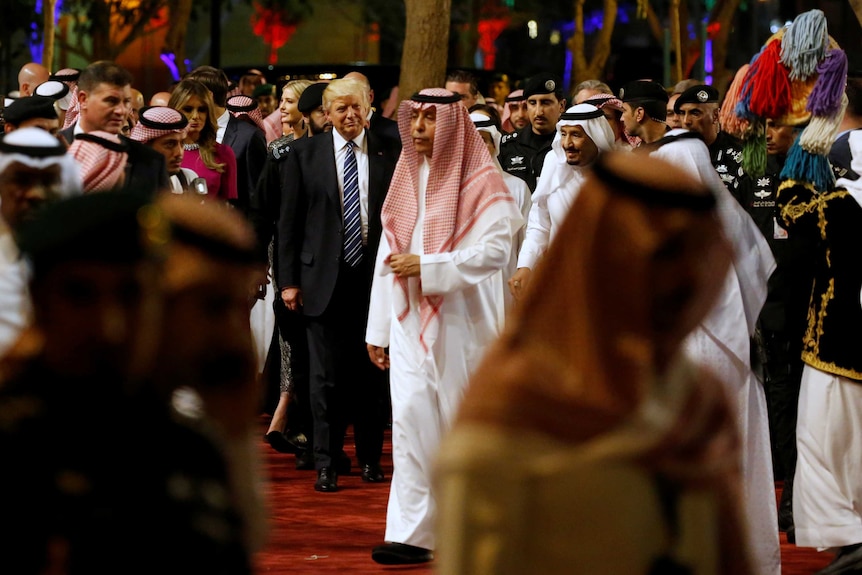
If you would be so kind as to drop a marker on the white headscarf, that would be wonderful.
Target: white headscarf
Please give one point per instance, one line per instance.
(556, 173)
(485, 124)
(38, 149)
(854, 186)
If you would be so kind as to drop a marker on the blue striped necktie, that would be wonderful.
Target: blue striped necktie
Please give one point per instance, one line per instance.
(352, 220)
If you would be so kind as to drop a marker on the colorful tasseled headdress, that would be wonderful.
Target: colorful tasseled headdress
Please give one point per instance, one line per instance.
(797, 79)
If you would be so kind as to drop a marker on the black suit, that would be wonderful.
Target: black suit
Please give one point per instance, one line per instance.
(248, 143)
(383, 126)
(335, 296)
(146, 170)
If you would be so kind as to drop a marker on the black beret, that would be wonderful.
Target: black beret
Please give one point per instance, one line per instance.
(700, 94)
(30, 107)
(76, 229)
(543, 84)
(643, 90)
(311, 98)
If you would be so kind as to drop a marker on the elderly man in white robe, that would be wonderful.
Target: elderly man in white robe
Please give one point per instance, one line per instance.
(722, 342)
(582, 134)
(437, 299)
(34, 169)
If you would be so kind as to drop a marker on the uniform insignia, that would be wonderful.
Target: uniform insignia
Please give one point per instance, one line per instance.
(763, 182)
(279, 148)
(550, 86)
(516, 160)
(702, 96)
(508, 137)
(762, 193)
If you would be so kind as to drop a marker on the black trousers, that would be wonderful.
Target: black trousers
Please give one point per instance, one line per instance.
(345, 387)
(782, 377)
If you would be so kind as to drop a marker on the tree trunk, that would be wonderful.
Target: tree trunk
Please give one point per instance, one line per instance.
(180, 12)
(100, 16)
(48, 34)
(856, 5)
(426, 46)
(581, 69)
(676, 38)
(723, 13)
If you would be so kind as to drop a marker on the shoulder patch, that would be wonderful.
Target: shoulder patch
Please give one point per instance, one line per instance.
(279, 148)
(508, 137)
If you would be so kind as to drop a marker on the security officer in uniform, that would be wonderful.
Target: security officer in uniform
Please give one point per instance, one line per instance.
(697, 108)
(523, 152)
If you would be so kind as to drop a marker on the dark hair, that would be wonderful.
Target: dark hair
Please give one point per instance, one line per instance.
(464, 77)
(215, 80)
(492, 112)
(655, 109)
(103, 72)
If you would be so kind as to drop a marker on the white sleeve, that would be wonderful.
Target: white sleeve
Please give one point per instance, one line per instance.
(538, 234)
(380, 308)
(453, 271)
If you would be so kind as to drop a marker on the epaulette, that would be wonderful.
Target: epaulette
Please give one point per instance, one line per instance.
(279, 148)
(507, 137)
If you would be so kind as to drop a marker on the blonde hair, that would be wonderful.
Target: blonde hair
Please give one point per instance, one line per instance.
(297, 86)
(184, 92)
(344, 87)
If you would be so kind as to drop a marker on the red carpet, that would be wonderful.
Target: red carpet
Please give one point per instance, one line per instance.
(315, 532)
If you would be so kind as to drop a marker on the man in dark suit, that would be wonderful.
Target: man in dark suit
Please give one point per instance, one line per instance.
(377, 123)
(328, 232)
(247, 141)
(105, 99)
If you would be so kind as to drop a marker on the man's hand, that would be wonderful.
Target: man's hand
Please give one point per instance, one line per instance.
(292, 298)
(405, 265)
(518, 283)
(378, 356)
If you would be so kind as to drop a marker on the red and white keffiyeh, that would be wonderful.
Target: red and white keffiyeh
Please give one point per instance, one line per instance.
(243, 105)
(157, 121)
(463, 183)
(102, 159)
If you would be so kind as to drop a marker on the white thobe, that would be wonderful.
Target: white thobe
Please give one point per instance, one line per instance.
(15, 305)
(721, 342)
(427, 386)
(546, 216)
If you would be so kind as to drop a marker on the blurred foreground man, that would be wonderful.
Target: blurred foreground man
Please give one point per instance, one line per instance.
(129, 484)
(587, 441)
(34, 171)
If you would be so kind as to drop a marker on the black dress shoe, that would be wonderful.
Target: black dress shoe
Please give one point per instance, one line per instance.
(847, 561)
(400, 554)
(343, 464)
(327, 480)
(278, 441)
(372, 473)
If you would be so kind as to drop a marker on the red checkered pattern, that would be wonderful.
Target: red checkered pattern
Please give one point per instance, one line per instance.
(158, 115)
(101, 168)
(239, 106)
(463, 183)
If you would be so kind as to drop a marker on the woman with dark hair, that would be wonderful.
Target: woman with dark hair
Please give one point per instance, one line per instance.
(214, 162)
